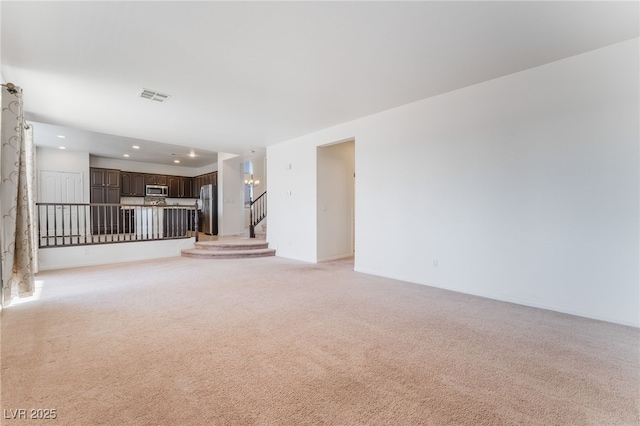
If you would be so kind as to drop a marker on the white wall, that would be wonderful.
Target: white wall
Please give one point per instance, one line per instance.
(230, 195)
(100, 254)
(335, 201)
(524, 188)
(292, 196)
(259, 173)
(137, 166)
(56, 160)
(206, 170)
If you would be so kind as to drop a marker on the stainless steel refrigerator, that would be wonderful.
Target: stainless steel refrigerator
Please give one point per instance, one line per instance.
(209, 206)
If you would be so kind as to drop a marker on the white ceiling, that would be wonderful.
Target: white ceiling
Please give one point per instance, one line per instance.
(111, 146)
(243, 75)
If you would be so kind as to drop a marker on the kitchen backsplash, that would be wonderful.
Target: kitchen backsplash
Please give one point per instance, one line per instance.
(170, 201)
(181, 201)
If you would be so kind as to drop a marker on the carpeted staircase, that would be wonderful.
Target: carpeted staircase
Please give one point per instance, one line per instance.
(230, 249)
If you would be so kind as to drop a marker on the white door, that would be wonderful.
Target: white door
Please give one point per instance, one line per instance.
(61, 188)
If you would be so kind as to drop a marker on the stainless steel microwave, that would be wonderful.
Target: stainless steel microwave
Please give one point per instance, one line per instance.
(157, 191)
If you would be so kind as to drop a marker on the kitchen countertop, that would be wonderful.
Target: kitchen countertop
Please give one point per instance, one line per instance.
(167, 206)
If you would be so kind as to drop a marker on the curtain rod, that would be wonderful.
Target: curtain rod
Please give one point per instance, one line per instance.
(12, 88)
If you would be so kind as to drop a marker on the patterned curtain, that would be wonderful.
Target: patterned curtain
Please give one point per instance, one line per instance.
(17, 234)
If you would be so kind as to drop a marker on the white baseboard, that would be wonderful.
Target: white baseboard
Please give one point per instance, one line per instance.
(519, 301)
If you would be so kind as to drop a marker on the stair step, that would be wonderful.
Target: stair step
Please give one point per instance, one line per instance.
(232, 245)
(201, 253)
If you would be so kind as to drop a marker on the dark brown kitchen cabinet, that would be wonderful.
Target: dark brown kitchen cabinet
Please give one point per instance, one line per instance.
(196, 184)
(105, 188)
(214, 179)
(195, 187)
(174, 186)
(132, 184)
(156, 180)
(185, 187)
(179, 187)
(200, 181)
(105, 177)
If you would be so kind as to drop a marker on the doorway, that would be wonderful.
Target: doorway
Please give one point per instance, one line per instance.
(336, 201)
(61, 188)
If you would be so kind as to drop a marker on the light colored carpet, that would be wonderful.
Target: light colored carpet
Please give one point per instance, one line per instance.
(271, 341)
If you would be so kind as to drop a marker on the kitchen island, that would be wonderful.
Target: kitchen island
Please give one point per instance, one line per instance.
(155, 222)
(149, 222)
(179, 221)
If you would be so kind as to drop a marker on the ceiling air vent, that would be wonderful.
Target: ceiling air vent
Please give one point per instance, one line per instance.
(152, 95)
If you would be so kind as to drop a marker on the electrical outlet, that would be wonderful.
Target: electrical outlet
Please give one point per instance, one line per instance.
(435, 263)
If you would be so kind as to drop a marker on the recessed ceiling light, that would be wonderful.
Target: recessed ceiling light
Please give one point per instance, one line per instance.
(135, 147)
(192, 154)
(62, 136)
(176, 161)
(62, 147)
(126, 155)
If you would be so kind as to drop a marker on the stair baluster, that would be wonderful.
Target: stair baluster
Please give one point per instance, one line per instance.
(257, 212)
